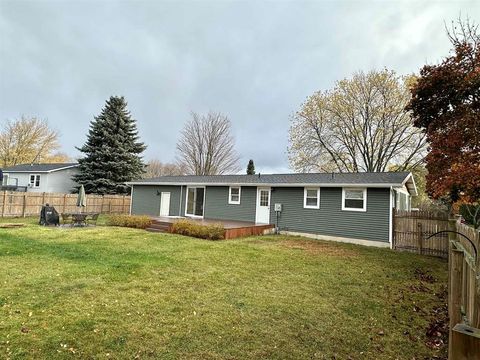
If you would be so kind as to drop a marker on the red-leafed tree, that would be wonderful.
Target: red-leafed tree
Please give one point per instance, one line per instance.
(446, 104)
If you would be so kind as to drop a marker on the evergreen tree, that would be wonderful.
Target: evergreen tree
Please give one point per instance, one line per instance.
(251, 168)
(112, 151)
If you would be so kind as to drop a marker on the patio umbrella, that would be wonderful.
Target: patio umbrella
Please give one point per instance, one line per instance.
(82, 198)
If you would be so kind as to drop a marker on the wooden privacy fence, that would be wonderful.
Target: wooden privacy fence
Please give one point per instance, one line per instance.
(412, 231)
(30, 203)
(464, 292)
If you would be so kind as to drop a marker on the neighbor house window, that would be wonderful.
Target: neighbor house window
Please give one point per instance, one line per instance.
(234, 195)
(34, 180)
(5, 179)
(311, 198)
(354, 199)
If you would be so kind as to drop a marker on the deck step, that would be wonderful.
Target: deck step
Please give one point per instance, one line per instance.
(150, 229)
(158, 226)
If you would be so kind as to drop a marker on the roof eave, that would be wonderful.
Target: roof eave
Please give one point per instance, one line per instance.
(352, 185)
(409, 178)
(40, 171)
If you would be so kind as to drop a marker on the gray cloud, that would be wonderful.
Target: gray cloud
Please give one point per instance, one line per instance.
(254, 61)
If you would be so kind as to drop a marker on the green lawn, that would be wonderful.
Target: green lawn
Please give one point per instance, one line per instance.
(122, 293)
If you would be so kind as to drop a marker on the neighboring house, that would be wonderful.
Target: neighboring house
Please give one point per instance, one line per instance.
(351, 207)
(52, 178)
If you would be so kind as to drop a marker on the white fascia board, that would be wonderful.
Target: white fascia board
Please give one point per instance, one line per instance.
(414, 192)
(63, 168)
(39, 171)
(349, 185)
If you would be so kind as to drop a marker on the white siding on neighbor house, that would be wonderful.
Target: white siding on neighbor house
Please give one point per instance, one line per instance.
(54, 182)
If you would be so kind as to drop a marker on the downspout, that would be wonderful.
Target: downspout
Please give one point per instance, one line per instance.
(390, 218)
(180, 203)
(131, 200)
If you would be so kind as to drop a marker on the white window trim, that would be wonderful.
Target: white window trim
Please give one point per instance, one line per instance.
(364, 209)
(186, 201)
(34, 180)
(230, 201)
(305, 206)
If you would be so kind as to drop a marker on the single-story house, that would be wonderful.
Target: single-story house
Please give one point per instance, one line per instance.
(351, 207)
(52, 178)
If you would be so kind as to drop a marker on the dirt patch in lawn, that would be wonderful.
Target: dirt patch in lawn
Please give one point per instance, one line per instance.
(317, 247)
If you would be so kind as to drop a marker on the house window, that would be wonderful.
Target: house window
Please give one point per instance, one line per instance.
(5, 179)
(34, 180)
(195, 200)
(354, 199)
(311, 198)
(234, 195)
(264, 198)
(402, 201)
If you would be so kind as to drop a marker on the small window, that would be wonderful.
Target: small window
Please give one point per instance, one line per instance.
(234, 195)
(264, 198)
(311, 198)
(34, 180)
(5, 179)
(354, 199)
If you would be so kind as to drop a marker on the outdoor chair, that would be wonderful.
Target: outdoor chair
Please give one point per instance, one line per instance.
(67, 218)
(92, 219)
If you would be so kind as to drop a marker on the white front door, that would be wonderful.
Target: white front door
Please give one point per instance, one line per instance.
(165, 204)
(263, 206)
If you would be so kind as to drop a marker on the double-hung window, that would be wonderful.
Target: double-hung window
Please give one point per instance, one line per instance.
(234, 193)
(311, 198)
(34, 180)
(354, 199)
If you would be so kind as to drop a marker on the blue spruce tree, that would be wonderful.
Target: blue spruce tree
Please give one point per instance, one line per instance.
(112, 153)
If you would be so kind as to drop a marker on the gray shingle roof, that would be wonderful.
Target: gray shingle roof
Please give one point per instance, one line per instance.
(39, 168)
(387, 178)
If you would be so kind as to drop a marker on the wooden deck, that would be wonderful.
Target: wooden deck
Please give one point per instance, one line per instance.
(233, 229)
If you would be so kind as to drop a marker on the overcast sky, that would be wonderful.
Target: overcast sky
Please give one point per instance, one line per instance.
(255, 61)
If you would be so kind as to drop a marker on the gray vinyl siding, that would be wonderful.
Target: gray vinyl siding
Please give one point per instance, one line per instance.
(217, 206)
(330, 219)
(146, 199)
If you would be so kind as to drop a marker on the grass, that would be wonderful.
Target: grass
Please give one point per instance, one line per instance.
(123, 293)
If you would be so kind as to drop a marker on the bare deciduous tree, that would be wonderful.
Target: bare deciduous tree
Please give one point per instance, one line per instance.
(206, 146)
(156, 168)
(360, 125)
(28, 140)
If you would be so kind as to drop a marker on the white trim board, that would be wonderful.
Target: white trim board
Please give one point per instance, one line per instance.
(348, 185)
(390, 218)
(131, 202)
(41, 171)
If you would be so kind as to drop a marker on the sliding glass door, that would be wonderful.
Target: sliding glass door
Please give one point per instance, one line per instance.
(195, 199)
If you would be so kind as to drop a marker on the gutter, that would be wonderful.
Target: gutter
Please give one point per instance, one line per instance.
(350, 185)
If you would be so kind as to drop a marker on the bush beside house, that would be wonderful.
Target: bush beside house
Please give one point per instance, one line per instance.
(132, 221)
(190, 228)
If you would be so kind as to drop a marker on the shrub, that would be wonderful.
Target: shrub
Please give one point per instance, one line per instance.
(132, 221)
(191, 228)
